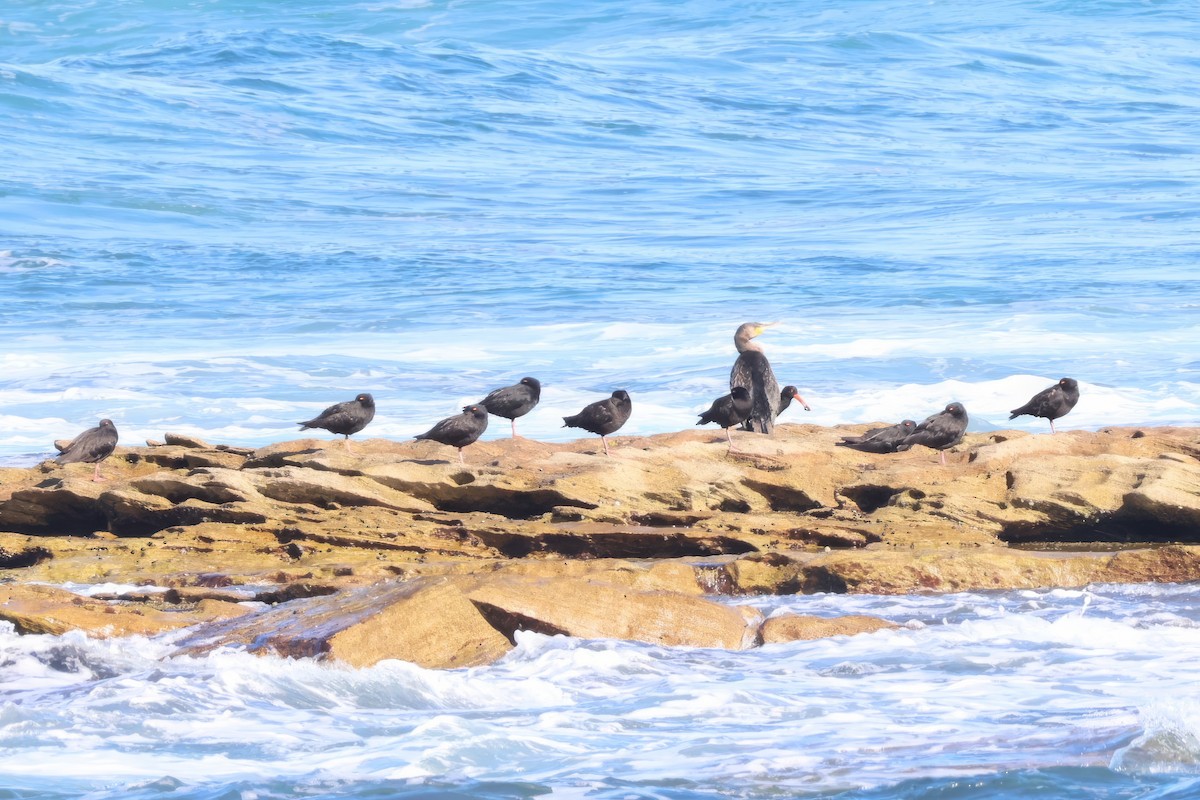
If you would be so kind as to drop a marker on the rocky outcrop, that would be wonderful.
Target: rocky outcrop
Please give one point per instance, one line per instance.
(462, 621)
(46, 609)
(797, 627)
(642, 535)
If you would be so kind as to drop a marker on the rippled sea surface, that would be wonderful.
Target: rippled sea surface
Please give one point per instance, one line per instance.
(1050, 694)
(218, 217)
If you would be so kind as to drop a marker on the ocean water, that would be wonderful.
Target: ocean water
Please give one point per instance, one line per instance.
(1051, 694)
(218, 217)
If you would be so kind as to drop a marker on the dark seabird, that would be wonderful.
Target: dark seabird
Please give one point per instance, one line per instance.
(753, 371)
(459, 430)
(728, 410)
(603, 417)
(344, 418)
(880, 440)
(514, 401)
(1051, 403)
(940, 431)
(787, 395)
(91, 447)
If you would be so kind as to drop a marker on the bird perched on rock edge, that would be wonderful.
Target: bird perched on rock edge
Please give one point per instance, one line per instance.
(939, 431)
(728, 410)
(513, 401)
(91, 447)
(460, 430)
(1052, 403)
(344, 418)
(603, 416)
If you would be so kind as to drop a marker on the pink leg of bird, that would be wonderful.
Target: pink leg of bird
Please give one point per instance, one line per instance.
(605, 443)
(1052, 426)
(514, 428)
(96, 476)
(460, 457)
(349, 449)
(942, 453)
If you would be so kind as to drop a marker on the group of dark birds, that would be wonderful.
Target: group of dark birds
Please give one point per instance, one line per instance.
(754, 402)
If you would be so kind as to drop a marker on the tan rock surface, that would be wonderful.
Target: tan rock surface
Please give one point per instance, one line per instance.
(46, 609)
(799, 627)
(597, 610)
(427, 621)
(673, 513)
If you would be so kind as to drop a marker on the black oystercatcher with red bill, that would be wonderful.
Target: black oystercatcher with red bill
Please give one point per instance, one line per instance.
(940, 431)
(344, 418)
(1051, 403)
(880, 440)
(728, 410)
(603, 417)
(459, 430)
(786, 397)
(91, 447)
(514, 401)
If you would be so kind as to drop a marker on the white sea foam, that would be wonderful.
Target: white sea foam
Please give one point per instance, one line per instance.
(1001, 680)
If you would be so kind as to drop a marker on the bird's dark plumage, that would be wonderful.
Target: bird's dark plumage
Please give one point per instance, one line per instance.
(514, 401)
(880, 440)
(787, 395)
(459, 430)
(344, 418)
(939, 431)
(1051, 403)
(91, 447)
(603, 417)
(728, 410)
(753, 372)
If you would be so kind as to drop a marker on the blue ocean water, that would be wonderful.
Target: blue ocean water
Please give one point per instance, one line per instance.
(218, 217)
(1060, 694)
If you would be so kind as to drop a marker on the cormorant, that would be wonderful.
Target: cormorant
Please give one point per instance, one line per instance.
(753, 371)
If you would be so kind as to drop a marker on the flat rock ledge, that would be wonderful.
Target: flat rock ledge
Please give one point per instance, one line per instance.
(396, 551)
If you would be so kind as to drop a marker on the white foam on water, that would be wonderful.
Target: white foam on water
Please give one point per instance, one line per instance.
(972, 682)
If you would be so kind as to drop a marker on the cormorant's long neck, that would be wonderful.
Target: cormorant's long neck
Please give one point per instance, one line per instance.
(745, 344)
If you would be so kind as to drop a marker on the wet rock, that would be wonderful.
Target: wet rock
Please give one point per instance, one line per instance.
(797, 627)
(183, 440)
(49, 610)
(428, 622)
(592, 609)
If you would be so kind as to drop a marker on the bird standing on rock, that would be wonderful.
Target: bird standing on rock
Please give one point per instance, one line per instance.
(459, 430)
(91, 447)
(880, 440)
(728, 410)
(753, 371)
(344, 418)
(514, 401)
(1051, 403)
(939, 431)
(603, 417)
